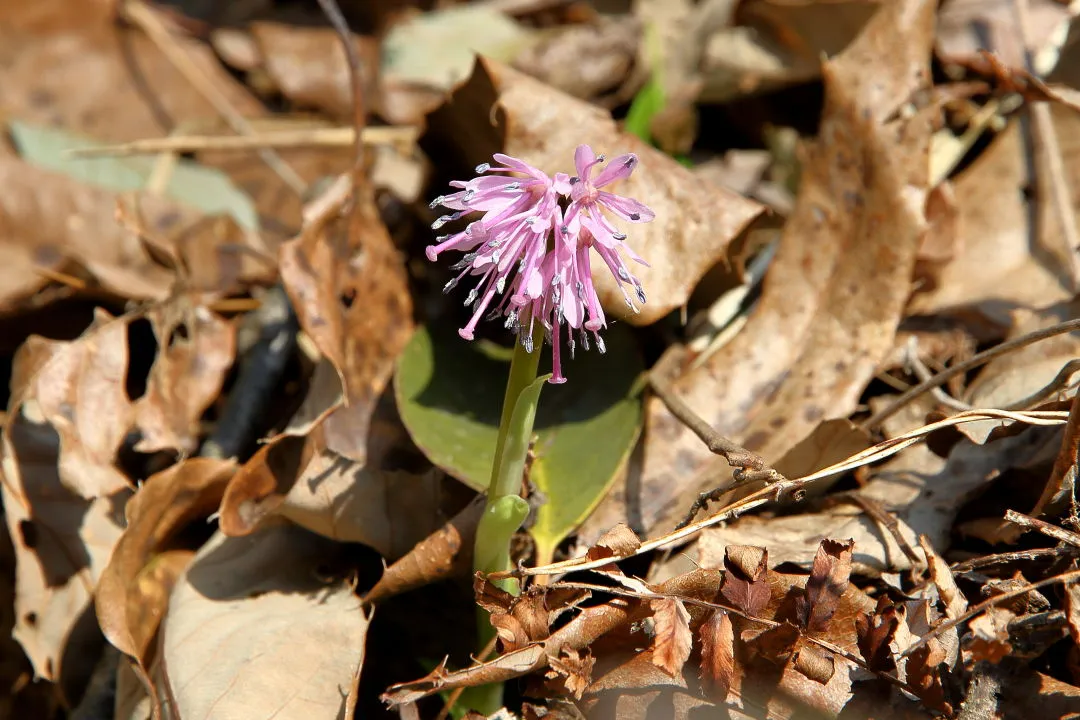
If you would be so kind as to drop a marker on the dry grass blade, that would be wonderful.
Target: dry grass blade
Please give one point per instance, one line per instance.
(402, 138)
(768, 494)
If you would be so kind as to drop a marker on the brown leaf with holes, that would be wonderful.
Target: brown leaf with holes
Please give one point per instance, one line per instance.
(672, 639)
(746, 582)
(196, 350)
(717, 637)
(347, 282)
(62, 493)
(828, 581)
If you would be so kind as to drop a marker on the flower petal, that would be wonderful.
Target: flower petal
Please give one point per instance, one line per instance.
(619, 169)
(626, 208)
(584, 159)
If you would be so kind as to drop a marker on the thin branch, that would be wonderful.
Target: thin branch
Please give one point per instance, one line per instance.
(401, 137)
(886, 519)
(1053, 531)
(986, 560)
(146, 19)
(749, 467)
(970, 364)
(985, 605)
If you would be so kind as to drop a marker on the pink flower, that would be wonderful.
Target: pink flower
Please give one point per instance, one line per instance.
(534, 251)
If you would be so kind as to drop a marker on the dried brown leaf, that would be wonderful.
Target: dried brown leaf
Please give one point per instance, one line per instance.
(876, 631)
(196, 350)
(672, 639)
(827, 583)
(348, 285)
(619, 541)
(924, 676)
(988, 636)
(717, 637)
(252, 630)
(844, 261)
(576, 669)
(67, 417)
(746, 584)
(815, 663)
(694, 223)
(1072, 610)
(132, 594)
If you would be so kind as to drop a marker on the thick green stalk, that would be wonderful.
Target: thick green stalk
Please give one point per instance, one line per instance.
(506, 509)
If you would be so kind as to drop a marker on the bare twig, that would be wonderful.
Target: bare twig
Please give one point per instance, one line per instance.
(986, 560)
(398, 136)
(348, 45)
(1048, 529)
(749, 467)
(970, 364)
(138, 12)
(986, 604)
(764, 496)
(911, 357)
(455, 694)
(882, 516)
(1048, 149)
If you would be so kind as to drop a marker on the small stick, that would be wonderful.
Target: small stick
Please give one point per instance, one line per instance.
(138, 12)
(986, 560)
(749, 467)
(397, 136)
(970, 364)
(986, 604)
(1044, 138)
(886, 519)
(1048, 529)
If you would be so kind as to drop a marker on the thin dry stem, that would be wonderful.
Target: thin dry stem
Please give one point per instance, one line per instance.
(1048, 529)
(970, 364)
(749, 467)
(402, 138)
(146, 19)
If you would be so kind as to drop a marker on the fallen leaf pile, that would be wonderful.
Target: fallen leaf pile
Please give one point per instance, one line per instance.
(829, 469)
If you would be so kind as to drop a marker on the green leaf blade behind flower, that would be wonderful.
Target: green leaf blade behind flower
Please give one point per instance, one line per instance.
(449, 393)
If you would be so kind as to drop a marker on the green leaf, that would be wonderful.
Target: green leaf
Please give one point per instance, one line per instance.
(449, 394)
(190, 183)
(646, 104)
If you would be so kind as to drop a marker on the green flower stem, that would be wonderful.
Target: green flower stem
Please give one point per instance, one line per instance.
(506, 509)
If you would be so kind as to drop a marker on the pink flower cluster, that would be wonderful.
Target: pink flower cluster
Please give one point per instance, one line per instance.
(530, 249)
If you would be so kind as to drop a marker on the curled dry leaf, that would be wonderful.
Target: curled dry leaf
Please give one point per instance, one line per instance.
(348, 285)
(828, 581)
(619, 541)
(133, 592)
(876, 631)
(196, 350)
(940, 574)
(839, 283)
(746, 582)
(252, 630)
(62, 494)
(695, 222)
(672, 639)
(576, 669)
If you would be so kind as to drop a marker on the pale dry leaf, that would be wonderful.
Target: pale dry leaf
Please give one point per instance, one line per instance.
(746, 583)
(988, 636)
(252, 630)
(839, 283)
(968, 26)
(672, 639)
(695, 222)
(942, 577)
(1072, 610)
(619, 541)
(1009, 255)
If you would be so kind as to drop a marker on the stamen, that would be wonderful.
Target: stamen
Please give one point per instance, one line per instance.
(635, 216)
(482, 168)
(450, 286)
(618, 235)
(585, 340)
(575, 180)
(580, 287)
(600, 344)
(623, 275)
(500, 284)
(527, 342)
(641, 294)
(437, 202)
(471, 297)
(570, 344)
(601, 158)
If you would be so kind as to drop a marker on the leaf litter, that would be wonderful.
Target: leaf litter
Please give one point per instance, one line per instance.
(274, 515)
